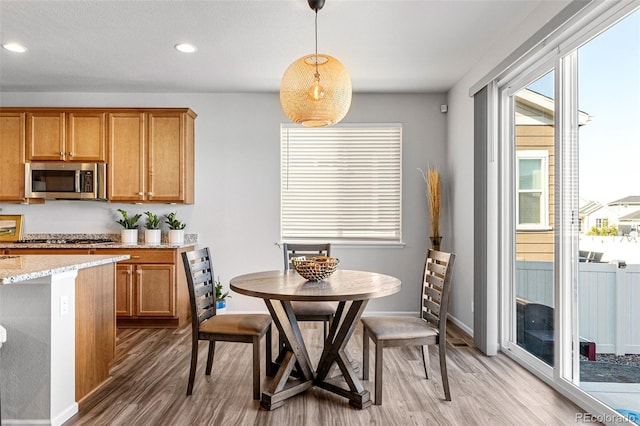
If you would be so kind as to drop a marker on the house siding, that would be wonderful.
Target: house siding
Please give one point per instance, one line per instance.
(537, 245)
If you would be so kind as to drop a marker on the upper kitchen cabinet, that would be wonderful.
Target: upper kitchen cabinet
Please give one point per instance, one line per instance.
(151, 156)
(78, 136)
(12, 125)
(126, 178)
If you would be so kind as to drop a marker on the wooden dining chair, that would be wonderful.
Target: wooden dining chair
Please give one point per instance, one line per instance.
(206, 325)
(429, 329)
(310, 311)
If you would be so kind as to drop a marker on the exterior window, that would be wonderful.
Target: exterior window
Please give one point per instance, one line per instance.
(341, 183)
(602, 223)
(532, 204)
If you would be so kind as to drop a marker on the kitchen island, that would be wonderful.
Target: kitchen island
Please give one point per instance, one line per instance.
(59, 315)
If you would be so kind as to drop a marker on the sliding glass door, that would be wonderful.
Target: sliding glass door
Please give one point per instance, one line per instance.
(570, 139)
(532, 148)
(608, 285)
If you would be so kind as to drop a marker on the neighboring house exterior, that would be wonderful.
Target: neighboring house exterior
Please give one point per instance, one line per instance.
(594, 213)
(627, 210)
(534, 175)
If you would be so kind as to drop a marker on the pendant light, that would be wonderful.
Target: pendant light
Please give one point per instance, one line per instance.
(316, 89)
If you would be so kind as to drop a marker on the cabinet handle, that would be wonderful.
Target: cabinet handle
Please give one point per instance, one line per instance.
(150, 194)
(141, 193)
(70, 153)
(139, 271)
(135, 257)
(128, 272)
(61, 153)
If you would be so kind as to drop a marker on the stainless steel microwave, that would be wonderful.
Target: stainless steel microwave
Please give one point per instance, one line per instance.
(66, 181)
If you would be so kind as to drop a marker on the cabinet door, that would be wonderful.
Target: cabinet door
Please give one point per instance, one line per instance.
(124, 290)
(12, 158)
(45, 136)
(166, 157)
(155, 291)
(127, 165)
(86, 137)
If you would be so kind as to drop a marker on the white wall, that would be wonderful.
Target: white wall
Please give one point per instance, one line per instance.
(460, 156)
(236, 212)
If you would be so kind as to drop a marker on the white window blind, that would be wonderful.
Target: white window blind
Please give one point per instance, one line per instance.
(341, 183)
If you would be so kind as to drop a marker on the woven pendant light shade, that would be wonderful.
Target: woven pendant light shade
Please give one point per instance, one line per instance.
(316, 103)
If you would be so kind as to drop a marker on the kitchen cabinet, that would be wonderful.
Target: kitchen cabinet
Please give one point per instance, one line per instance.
(149, 151)
(145, 291)
(78, 136)
(12, 139)
(151, 289)
(126, 173)
(151, 156)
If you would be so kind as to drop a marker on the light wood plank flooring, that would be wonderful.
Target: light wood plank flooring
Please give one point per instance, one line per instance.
(149, 383)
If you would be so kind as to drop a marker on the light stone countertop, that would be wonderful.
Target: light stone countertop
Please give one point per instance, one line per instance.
(17, 268)
(189, 240)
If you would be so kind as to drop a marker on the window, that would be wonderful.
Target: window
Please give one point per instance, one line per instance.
(532, 203)
(602, 223)
(341, 183)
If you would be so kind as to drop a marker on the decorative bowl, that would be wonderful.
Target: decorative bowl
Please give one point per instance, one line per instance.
(315, 268)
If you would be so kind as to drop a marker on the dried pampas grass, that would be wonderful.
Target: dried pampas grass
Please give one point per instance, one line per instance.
(432, 179)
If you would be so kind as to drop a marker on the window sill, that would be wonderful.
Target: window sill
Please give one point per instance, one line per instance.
(352, 244)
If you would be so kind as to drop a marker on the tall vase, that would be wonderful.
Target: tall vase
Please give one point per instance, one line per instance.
(435, 242)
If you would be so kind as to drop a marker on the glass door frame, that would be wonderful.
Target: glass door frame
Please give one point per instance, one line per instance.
(506, 92)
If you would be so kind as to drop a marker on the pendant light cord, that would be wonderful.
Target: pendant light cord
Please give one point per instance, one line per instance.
(317, 74)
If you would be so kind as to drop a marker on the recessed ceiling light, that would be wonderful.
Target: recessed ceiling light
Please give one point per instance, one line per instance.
(185, 47)
(15, 47)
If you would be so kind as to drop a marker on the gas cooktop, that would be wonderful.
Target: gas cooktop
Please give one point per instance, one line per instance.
(66, 241)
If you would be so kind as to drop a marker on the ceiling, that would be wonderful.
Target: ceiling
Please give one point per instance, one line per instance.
(245, 46)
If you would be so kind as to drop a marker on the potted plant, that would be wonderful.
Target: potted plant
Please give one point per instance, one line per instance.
(176, 229)
(129, 235)
(152, 229)
(221, 297)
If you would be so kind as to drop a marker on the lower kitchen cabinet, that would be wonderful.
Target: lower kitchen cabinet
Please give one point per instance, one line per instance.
(151, 288)
(145, 291)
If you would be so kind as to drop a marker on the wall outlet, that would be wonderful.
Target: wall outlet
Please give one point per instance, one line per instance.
(64, 305)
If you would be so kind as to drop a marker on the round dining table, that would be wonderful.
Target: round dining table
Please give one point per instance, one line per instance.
(352, 290)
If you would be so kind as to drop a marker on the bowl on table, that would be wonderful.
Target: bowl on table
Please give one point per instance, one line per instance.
(315, 268)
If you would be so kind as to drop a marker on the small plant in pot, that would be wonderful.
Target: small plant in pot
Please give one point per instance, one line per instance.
(221, 297)
(129, 235)
(176, 229)
(152, 229)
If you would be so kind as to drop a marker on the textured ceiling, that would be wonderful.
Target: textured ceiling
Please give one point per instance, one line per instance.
(245, 46)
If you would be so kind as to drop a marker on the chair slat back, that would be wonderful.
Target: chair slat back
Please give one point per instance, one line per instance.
(199, 272)
(294, 250)
(436, 287)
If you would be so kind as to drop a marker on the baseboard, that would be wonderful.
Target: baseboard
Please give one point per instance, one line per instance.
(58, 420)
(65, 415)
(462, 326)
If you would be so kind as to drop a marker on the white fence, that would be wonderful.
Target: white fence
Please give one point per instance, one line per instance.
(608, 301)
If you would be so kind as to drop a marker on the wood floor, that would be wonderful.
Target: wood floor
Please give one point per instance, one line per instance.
(149, 383)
